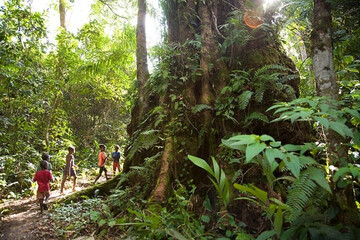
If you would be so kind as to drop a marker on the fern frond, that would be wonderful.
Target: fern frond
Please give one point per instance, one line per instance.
(299, 195)
(265, 69)
(144, 140)
(199, 108)
(258, 116)
(259, 94)
(244, 99)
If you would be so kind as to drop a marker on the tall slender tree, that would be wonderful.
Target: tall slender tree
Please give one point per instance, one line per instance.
(60, 76)
(323, 62)
(326, 86)
(62, 12)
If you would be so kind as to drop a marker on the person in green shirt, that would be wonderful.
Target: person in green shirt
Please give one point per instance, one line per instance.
(45, 157)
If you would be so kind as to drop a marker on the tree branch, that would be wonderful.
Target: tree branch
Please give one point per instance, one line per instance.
(112, 10)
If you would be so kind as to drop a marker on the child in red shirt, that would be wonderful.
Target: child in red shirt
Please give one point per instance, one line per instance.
(101, 163)
(43, 178)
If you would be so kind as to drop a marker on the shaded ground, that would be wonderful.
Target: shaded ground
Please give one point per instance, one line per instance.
(25, 220)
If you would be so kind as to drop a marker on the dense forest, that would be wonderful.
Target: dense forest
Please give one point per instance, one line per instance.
(242, 123)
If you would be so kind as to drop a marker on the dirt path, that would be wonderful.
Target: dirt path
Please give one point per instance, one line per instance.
(25, 220)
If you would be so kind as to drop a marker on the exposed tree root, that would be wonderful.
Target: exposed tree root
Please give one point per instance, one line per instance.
(96, 190)
(163, 180)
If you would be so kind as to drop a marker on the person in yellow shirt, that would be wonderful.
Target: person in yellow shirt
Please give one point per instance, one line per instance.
(101, 162)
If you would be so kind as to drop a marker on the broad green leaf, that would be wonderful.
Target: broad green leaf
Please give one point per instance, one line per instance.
(278, 221)
(281, 109)
(101, 222)
(271, 209)
(275, 144)
(292, 148)
(354, 171)
(338, 127)
(286, 115)
(265, 138)
(256, 202)
(318, 176)
(112, 223)
(323, 121)
(216, 169)
(340, 173)
(280, 204)
(352, 112)
(254, 149)
(205, 218)
(226, 193)
(234, 145)
(271, 154)
(288, 234)
(305, 160)
(266, 235)
(292, 162)
(348, 59)
(217, 187)
(244, 139)
(354, 70)
(202, 164)
(256, 192)
(274, 106)
(223, 180)
(303, 114)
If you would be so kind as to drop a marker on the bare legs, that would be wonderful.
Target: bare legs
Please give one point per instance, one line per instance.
(74, 183)
(63, 183)
(101, 169)
(116, 166)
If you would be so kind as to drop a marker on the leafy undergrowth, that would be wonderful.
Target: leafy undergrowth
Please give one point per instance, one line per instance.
(76, 219)
(124, 215)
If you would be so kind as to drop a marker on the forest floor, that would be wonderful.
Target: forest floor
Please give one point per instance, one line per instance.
(25, 220)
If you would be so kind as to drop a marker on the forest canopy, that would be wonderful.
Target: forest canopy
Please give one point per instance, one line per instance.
(245, 127)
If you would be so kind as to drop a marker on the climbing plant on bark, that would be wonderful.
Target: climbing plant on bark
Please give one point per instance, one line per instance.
(213, 77)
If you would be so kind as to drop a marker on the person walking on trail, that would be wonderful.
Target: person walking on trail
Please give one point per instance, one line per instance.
(116, 159)
(43, 178)
(45, 157)
(101, 163)
(69, 169)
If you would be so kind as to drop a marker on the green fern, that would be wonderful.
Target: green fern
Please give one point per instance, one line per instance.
(200, 107)
(265, 70)
(257, 116)
(244, 99)
(299, 195)
(144, 140)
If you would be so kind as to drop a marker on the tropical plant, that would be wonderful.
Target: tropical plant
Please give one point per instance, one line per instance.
(218, 178)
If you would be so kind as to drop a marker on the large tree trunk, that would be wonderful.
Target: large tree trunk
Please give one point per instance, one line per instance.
(187, 118)
(326, 86)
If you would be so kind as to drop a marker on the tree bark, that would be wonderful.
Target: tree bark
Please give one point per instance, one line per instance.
(141, 57)
(194, 35)
(62, 12)
(323, 62)
(326, 86)
(142, 72)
